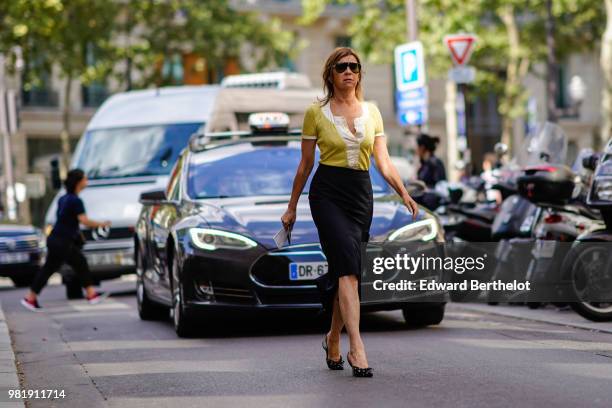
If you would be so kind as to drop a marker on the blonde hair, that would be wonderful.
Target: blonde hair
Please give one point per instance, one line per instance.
(328, 74)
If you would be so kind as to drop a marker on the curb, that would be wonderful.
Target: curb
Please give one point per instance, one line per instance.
(8, 371)
(525, 314)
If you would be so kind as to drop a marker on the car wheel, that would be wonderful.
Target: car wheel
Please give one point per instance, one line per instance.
(147, 309)
(73, 289)
(424, 315)
(182, 320)
(22, 281)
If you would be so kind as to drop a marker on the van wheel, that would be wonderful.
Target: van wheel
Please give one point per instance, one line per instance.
(22, 281)
(425, 315)
(73, 289)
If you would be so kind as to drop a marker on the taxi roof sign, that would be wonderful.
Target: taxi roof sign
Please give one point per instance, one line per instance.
(266, 121)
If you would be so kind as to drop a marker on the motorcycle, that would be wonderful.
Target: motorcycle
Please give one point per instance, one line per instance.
(559, 192)
(513, 227)
(588, 264)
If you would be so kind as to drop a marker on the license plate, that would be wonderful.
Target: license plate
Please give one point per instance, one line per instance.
(544, 249)
(17, 257)
(99, 259)
(307, 270)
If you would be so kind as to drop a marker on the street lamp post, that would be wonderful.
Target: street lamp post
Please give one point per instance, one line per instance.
(8, 126)
(411, 20)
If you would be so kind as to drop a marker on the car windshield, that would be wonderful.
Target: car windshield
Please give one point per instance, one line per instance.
(258, 171)
(134, 151)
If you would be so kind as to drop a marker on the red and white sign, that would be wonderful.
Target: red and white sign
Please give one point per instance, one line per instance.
(460, 47)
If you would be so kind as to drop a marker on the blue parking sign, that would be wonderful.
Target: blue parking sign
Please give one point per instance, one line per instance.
(411, 107)
(409, 66)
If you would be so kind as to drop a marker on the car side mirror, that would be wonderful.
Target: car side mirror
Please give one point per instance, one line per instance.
(415, 187)
(455, 195)
(152, 196)
(56, 180)
(590, 162)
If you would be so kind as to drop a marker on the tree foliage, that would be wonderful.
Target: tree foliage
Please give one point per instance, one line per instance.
(511, 36)
(86, 38)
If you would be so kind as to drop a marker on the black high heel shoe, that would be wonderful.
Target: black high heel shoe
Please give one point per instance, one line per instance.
(359, 371)
(331, 364)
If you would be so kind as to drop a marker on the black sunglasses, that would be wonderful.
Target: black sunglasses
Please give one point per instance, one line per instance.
(340, 67)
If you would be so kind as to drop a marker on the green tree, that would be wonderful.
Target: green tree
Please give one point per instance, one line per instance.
(151, 32)
(61, 34)
(511, 38)
(85, 39)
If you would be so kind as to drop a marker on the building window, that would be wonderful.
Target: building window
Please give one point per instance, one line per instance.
(94, 93)
(343, 41)
(38, 93)
(173, 72)
(561, 97)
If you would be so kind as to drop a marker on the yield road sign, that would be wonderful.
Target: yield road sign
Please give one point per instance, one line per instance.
(460, 47)
(409, 66)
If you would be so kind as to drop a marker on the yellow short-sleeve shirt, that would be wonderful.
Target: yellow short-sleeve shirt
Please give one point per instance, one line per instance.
(338, 146)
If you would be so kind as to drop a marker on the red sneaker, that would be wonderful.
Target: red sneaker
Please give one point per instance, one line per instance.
(32, 306)
(96, 298)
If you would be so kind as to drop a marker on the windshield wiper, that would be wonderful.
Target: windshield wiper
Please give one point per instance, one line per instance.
(216, 196)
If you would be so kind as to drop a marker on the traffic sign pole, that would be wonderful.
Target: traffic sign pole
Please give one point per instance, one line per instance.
(460, 47)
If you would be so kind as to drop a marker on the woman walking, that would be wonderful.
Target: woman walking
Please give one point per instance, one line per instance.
(347, 131)
(64, 243)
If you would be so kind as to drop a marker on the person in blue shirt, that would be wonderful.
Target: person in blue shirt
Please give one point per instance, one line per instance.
(65, 242)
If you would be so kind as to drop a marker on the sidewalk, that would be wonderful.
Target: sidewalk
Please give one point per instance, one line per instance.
(549, 314)
(8, 371)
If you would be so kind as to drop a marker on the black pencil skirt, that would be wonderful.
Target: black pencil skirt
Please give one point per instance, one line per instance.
(341, 203)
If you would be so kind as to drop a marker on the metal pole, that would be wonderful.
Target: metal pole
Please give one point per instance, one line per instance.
(5, 132)
(411, 20)
(450, 106)
(551, 65)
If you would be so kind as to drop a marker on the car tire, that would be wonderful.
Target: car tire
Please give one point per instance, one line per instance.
(181, 318)
(73, 289)
(426, 315)
(147, 309)
(22, 281)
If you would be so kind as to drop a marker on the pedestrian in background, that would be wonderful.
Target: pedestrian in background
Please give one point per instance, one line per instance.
(432, 169)
(348, 131)
(65, 242)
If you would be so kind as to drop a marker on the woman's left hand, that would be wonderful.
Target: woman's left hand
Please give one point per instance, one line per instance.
(411, 205)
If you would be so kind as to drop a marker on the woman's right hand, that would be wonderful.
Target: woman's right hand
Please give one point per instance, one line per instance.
(288, 218)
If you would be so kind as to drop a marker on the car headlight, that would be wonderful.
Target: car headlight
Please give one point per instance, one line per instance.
(42, 241)
(603, 189)
(212, 239)
(48, 229)
(423, 230)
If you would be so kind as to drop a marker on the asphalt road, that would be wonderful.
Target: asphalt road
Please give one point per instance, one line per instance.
(103, 355)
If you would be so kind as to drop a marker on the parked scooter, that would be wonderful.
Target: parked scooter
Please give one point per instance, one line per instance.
(588, 265)
(516, 221)
(559, 192)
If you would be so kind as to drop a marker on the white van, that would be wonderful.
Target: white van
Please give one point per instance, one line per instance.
(131, 144)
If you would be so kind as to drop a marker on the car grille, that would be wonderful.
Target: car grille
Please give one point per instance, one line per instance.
(233, 295)
(225, 293)
(272, 269)
(115, 233)
(20, 244)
